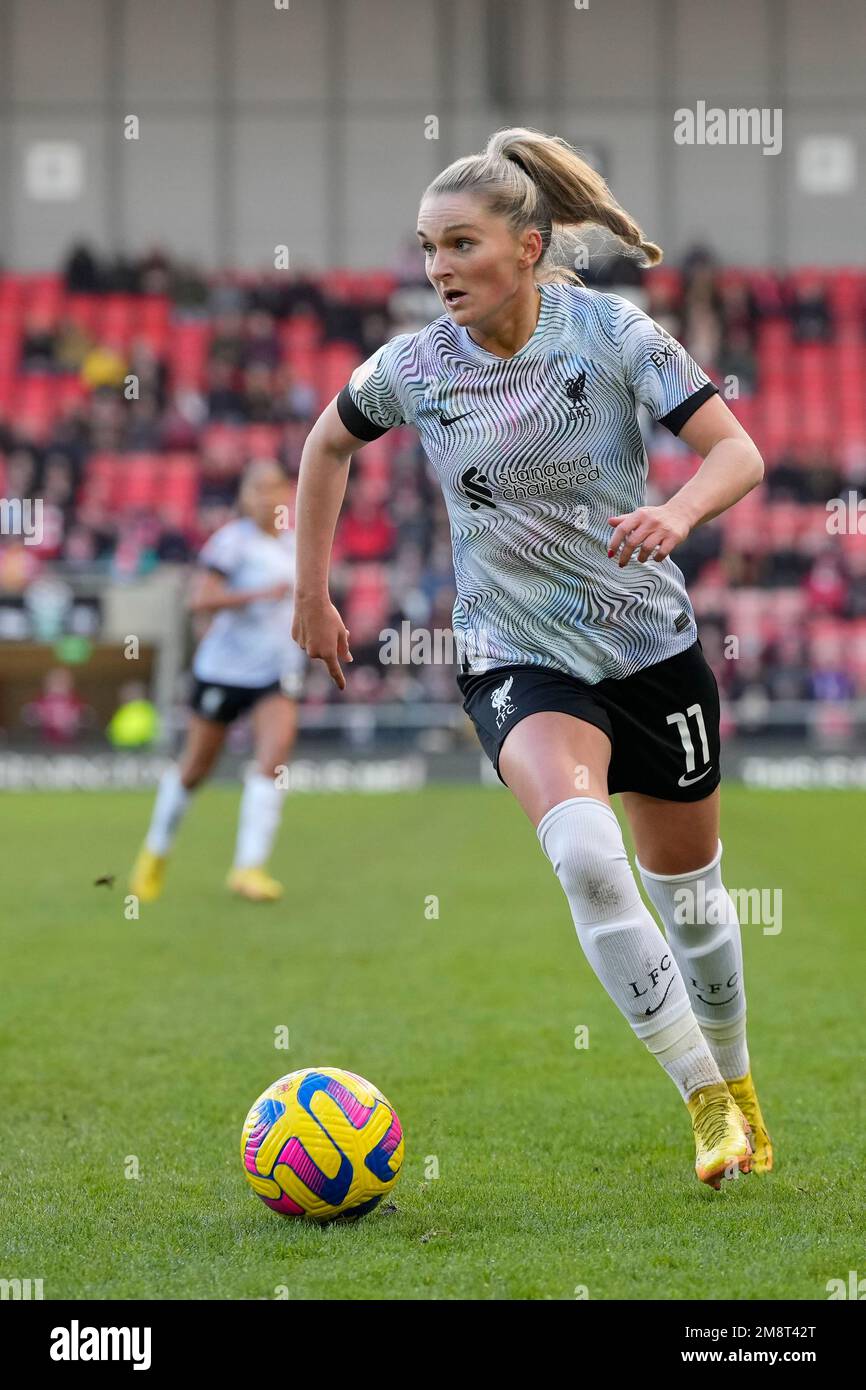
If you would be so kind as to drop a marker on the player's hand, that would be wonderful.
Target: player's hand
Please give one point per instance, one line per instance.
(277, 591)
(318, 628)
(652, 531)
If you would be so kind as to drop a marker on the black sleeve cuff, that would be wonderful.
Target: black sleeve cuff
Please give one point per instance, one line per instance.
(355, 420)
(676, 418)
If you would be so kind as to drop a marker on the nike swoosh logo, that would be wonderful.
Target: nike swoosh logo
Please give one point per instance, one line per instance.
(687, 781)
(449, 419)
(649, 1012)
(717, 1003)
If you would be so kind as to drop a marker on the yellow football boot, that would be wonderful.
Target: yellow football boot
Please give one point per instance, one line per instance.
(255, 884)
(722, 1147)
(743, 1091)
(148, 875)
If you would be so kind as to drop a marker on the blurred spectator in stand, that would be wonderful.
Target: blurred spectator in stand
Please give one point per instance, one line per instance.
(736, 359)
(144, 425)
(154, 272)
(366, 614)
(830, 679)
(855, 603)
(701, 310)
(71, 346)
(58, 481)
(227, 343)
(150, 371)
(258, 396)
(365, 531)
(409, 262)
(293, 400)
(738, 308)
(188, 288)
(226, 299)
(411, 516)
(81, 273)
(748, 688)
(344, 320)
(827, 585)
(20, 565)
(261, 345)
(787, 679)
(810, 313)
(21, 471)
(135, 552)
(80, 548)
(103, 366)
(38, 344)
(96, 519)
(663, 300)
(58, 713)
(224, 401)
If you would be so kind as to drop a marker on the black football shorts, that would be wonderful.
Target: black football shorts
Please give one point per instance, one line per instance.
(223, 704)
(663, 721)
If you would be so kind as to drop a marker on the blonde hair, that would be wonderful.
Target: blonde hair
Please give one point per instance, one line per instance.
(537, 180)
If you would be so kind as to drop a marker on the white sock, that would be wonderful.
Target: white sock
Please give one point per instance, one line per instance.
(702, 927)
(171, 802)
(259, 819)
(582, 839)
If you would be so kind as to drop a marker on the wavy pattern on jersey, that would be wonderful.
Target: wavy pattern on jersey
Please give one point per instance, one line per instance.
(558, 608)
(534, 581)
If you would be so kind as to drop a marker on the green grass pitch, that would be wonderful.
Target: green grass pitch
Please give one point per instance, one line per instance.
(560, 1169)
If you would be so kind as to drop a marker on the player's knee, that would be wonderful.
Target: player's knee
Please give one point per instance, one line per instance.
(193, 774)
(270, 768)
(598, 886)
(584, 843)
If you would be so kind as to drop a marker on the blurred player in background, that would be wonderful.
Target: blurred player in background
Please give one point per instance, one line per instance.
(582, 669)
(246, 661)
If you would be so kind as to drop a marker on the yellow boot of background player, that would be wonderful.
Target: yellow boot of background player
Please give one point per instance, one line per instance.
(148, 875)
(255, 884)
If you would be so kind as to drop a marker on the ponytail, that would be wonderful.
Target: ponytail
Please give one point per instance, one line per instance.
(538, 180)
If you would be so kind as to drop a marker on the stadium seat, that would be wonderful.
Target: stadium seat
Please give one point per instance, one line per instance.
(187, 354)
(140, 480)
(260, 441)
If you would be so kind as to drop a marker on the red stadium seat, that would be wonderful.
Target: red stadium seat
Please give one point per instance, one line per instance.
(261, 441)
(152, 323)
(300, 331)
(84, 310)
(225, 444)
(846, 291)
(140, 479)
(101, 484)
(187, 353)
(180, 489)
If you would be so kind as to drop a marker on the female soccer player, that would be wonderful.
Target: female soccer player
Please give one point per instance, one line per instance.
(245, 661)
(581, 669)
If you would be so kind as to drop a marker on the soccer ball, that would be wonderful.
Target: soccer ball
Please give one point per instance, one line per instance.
(322, 1143)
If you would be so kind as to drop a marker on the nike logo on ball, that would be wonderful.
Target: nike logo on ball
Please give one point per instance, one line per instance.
(687, 781)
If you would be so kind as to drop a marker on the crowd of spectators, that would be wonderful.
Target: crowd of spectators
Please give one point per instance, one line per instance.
(392, 558)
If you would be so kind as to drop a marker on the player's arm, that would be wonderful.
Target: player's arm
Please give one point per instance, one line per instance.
(209, 592)
(324, 473)
(731, 467)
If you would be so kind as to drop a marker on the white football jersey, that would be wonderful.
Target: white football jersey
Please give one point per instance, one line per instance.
(250, 646)
(534, 454)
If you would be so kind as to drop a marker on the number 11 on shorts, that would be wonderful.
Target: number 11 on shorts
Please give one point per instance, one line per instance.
(682, 722)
